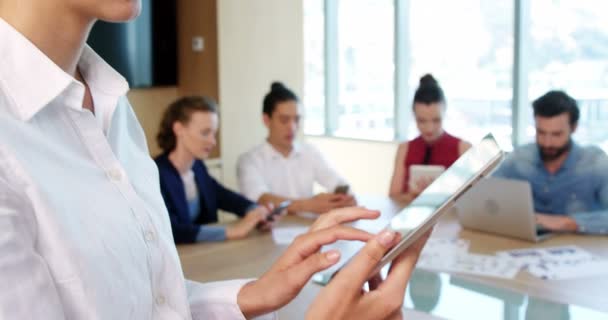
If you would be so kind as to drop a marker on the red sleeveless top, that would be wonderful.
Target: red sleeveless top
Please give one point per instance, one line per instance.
(443, 152)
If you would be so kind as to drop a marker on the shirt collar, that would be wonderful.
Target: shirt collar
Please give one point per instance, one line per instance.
(33, 81)
(573, 156)
(273, 153)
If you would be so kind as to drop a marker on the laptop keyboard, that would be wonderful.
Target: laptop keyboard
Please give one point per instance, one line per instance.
(540, 230)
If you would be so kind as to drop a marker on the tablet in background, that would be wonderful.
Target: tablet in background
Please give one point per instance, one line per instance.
(420, 172)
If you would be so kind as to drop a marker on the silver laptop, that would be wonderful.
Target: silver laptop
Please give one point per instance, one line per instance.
(500, 206)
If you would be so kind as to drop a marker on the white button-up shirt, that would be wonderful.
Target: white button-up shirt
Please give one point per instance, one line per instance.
(84, 233)
(265, 170)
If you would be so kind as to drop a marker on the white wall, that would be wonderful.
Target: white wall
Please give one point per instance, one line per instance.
(259, 41)
(367, 165)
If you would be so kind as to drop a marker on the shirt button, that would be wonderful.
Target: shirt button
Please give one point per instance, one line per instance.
(160, 300)
(115, 174)
(149, 236)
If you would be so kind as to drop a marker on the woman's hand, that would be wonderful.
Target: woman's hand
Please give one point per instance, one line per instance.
(343, 297)
(302, 259)
(248, 223)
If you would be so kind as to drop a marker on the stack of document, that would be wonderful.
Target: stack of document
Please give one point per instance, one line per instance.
(558, 263)
(553, 263)
(451, 255)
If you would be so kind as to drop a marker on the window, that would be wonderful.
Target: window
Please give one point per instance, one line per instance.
(365, 69)
(364, 59)
(314, 53)
(569, 51)
(468, 46)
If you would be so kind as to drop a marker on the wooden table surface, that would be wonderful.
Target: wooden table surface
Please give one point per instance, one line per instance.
(249, 258)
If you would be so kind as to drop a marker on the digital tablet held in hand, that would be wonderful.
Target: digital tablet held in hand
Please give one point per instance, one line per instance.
(422, 214)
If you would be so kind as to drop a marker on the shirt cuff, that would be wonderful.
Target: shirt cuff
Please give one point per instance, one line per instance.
(211, 233)
(590, 223)
(252, 206)
(218, 300)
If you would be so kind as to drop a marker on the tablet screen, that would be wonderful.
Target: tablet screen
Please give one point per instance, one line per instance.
(433, 201)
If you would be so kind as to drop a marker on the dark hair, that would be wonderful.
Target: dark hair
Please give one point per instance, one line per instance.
(181, 110)
(554, 103)
(429, 91)
(278, 93)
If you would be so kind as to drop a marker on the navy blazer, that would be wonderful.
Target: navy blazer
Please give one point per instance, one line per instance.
(212, 196)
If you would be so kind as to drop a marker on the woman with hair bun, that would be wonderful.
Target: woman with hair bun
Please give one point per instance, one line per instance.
(434, 146)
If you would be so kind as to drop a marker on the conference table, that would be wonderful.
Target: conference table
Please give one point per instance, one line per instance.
(435, 295)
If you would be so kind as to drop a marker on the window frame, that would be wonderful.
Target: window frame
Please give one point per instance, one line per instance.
(402, 98)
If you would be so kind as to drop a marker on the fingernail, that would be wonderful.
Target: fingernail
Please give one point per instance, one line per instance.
(386, 238)
(332, 256)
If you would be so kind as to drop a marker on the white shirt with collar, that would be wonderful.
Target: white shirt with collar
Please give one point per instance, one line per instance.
(84, 233)
(265, 170)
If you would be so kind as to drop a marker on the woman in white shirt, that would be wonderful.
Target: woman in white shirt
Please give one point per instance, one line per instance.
(83, 230)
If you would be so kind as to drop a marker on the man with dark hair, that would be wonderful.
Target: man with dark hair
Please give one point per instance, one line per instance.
(281, 169)
(569, 182)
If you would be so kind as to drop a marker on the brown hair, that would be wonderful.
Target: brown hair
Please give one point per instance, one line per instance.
(181, 110)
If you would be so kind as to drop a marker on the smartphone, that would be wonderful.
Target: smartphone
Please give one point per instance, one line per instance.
(438, 198)
(343, 189)
(278, 210)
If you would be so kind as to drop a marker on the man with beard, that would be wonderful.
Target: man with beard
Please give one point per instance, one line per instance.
(569, 182)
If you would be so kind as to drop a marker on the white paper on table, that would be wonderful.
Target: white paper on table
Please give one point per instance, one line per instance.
(567, 253)
(286, 235)
(473, 264)
(569, 270)
(527, 258)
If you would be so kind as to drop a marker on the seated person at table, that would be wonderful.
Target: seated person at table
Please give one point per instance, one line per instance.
(282, 169)
(192, 196)
(433, 146)
(569, 182)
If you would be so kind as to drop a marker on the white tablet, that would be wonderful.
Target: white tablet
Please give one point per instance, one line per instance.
(420, 172)
(420, 216)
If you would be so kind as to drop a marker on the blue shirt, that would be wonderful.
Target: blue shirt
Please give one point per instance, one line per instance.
(212, 197)
(578, 189)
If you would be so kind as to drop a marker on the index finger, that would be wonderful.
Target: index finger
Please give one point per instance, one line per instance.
(309, 243)
(343, 215)
(352, 277)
